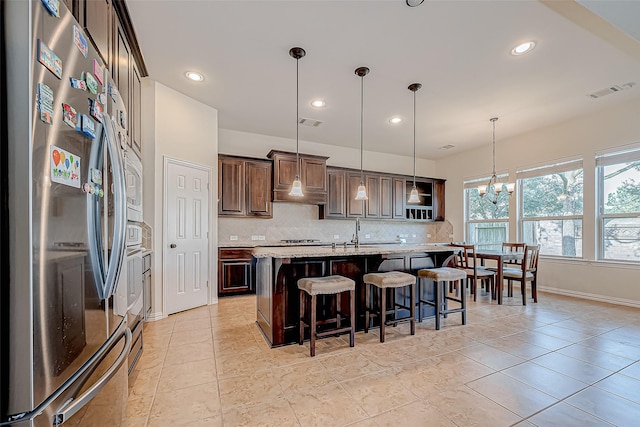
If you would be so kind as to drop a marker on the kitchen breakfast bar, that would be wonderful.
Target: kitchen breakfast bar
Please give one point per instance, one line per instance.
(279, 268)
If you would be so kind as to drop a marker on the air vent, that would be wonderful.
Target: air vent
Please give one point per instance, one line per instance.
(446, 147)
(309, 122)
(610, 90)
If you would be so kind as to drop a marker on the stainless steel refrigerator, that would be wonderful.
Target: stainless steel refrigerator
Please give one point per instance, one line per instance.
(65, 338)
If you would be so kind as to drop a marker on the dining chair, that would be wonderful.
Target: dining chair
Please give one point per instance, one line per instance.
(527, 272)
(466, 260)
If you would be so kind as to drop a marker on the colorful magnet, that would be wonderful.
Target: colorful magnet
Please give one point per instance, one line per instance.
(96, 110)
(92, 189)
(102, 98)
(98, 71)
(88, 127)
(101, 193)
(85, 187)
(69, 115)
(77, 84)
(44, 101)
(53, 7)
(63, 171)
(96, 176)
(92, 83)
(80, 41)
(49, 59)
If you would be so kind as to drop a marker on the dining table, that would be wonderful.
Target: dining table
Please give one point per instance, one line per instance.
(500, 257)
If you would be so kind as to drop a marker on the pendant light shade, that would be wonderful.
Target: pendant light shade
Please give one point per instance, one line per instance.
(413, 196)
(296, 186)
(362, 191)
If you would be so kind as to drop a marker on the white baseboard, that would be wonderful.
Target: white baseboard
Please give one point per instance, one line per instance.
(594, 297)
(155, 316)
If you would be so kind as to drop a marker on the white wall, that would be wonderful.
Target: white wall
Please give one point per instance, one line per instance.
(254, 145)
(579, 137)
(177, 127)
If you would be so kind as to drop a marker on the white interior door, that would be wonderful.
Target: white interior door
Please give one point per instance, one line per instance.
(186, 251)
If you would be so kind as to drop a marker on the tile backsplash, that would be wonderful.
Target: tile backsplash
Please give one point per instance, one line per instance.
(297, 221)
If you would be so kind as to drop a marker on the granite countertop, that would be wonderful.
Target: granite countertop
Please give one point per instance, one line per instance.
(263, 244)
(340, 250)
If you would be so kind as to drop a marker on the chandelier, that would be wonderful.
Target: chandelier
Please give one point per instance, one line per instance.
(492, 190)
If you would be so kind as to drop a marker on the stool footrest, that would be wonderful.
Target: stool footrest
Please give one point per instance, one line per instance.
(333, 332)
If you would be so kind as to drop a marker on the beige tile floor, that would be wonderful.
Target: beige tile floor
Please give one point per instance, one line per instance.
(561, 362)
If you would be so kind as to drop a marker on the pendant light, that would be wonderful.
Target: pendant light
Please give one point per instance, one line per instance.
(413, 197)
(296, 186)
(493, 184)
(362, 191)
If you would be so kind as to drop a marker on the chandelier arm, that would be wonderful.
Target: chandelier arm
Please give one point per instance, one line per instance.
(297, 120)
(361, 126)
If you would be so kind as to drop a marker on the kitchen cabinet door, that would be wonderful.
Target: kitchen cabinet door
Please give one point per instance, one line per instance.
(231, 187)
(235, 271)
(386, 197)
(313, 175)
(372, 205)
(399, 197)
(258, 187)
(336, 206)
(95, 16)
(355, 208)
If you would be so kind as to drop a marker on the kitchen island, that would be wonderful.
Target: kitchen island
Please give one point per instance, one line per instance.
(279, 268)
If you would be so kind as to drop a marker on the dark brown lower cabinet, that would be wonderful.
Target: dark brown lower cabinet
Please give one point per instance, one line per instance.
(236, 271)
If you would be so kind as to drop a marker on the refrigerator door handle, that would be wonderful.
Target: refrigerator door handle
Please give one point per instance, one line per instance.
(120, 210)
(78, 403)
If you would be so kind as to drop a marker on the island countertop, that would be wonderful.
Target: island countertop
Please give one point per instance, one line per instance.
(340, 250)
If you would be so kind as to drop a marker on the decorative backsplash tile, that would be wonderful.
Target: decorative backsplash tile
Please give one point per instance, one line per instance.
(296, 221)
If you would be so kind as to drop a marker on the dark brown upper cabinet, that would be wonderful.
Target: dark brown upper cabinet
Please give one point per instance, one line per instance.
(313, 175)
(387, 195)
(95, 16)
(244, 187)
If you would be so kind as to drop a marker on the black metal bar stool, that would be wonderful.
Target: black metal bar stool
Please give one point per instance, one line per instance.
(383, 282)
(442, 277)
(328, 285)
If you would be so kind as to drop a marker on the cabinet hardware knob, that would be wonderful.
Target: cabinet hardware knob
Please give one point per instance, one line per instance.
(172, 246)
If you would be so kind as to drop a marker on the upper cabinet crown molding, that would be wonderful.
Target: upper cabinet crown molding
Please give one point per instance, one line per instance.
(313, 175)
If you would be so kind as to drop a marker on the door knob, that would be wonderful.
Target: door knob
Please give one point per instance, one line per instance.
(172, 246)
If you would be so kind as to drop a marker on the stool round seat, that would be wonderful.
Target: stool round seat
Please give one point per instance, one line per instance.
(443, 274)
(390, 279)
(326, 285)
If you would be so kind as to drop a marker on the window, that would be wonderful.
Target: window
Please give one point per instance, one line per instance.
(618, 178)
(551, 208)
(486, 223)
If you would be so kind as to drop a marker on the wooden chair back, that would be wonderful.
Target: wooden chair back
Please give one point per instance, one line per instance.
(530, 261)
(513, 247)
(466, 258)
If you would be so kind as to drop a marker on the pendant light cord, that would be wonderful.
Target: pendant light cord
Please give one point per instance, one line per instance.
(414, 139)
(361, 126)
(297, 120)
(494, 146)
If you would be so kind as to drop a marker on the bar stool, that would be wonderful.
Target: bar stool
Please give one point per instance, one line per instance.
(384, 281)
(442, 277)
(328, 285)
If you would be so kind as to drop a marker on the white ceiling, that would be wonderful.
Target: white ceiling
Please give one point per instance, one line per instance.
(458, 50)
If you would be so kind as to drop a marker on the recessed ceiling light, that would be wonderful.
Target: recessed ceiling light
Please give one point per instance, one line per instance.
(523, 48)
(395, 120)
(318, 103)
(196, 77)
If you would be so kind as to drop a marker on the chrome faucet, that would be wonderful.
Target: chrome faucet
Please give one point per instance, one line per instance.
(356, 239)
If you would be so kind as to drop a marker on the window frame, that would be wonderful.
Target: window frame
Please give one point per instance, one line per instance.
(474, 184)
(610, 158)
(539, 171)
